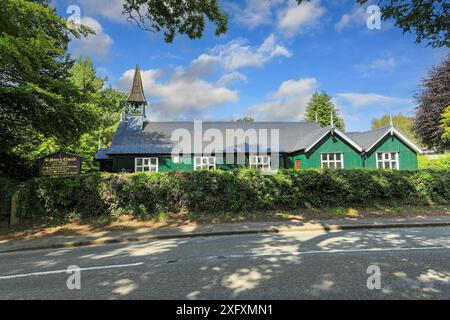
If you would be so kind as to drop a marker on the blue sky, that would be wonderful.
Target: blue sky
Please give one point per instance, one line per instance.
(274, 56)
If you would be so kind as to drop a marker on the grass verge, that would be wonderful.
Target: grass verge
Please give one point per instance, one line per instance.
(77, 227)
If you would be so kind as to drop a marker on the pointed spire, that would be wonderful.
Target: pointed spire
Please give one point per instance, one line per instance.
(391, 124)
(137, 91)
(331, 119)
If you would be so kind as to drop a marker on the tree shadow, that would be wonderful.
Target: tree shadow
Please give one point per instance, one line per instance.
(307, 265)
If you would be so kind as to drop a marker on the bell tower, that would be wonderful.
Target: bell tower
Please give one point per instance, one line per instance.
(135, 104)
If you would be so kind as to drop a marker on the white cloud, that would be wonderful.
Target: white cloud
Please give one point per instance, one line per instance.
(182, 96)
(108, 9)
(254, 14)
(236, 54)
(359, 100)
(372, 66)
(299, 19)
(96, 45)
(287, 103)
(357, 16)
(232, 77)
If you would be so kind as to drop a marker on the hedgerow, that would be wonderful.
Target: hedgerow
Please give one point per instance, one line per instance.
(144, 194)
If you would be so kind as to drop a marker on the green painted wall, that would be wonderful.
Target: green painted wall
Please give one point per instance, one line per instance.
(166, 164)
(330, 144)
(407, 156)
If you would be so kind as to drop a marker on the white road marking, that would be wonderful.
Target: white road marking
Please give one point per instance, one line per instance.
(297, 253)
(43, 273)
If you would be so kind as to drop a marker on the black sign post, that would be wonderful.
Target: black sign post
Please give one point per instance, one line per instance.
(60, 163)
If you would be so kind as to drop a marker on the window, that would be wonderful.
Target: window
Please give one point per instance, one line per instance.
(332, 160)
(387, 160)
(146, 164)
(260, 162)
(204, 163)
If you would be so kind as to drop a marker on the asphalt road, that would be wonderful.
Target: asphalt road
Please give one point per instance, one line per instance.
(414, 264)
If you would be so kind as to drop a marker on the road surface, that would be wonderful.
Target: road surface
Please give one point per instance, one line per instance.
(414, 264)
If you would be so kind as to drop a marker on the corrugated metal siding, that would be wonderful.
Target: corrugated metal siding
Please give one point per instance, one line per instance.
(407, 157)
(352, 158)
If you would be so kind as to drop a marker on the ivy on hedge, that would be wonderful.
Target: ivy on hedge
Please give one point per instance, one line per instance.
(144, 194)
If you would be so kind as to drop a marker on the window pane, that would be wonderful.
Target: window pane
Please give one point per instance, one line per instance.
(386, 156)
(338, 156)
(211, 160)
(339, 165)
(324, 156)
(331, 156)
(331, 165)
(379, 156)
(139, 162)
(138, 169)
(153, 161)
(394, 165)
(387, 165)
(393, 156)
(379, 165)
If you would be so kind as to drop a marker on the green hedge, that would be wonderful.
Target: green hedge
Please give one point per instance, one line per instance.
(227, 191)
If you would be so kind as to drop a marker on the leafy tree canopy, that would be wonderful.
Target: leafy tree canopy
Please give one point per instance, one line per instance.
(37, 98)
(432, 100)
(427, 18)
(445, 123)
(105, 101)
(400, 121)
(246, 119)
(321, 106)
(176, 16)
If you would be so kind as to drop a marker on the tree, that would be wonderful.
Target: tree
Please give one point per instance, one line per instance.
(320, 106)
(246, 119)
(176, 16)
(432, 99)
(445, 123)
(400, 121)
(105, 101)
(427, 18)
(37, 99)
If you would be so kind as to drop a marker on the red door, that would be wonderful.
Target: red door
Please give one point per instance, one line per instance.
(298, 164)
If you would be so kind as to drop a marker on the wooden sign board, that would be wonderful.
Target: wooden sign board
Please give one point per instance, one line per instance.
(60, 163)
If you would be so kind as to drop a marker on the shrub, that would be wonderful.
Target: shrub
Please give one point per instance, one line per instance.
(145, 194)
(441, 161)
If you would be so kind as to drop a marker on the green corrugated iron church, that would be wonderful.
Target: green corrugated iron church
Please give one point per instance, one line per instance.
(141, 145)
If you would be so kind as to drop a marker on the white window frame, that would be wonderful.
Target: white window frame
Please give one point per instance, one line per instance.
(149, 163)
(205, 163)
(331, 160)
(260, 162)
(388, 157)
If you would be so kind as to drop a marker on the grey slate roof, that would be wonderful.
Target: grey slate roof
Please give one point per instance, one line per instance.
(310, 138)
(155, 138)
(368, 138)
(101, 154)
